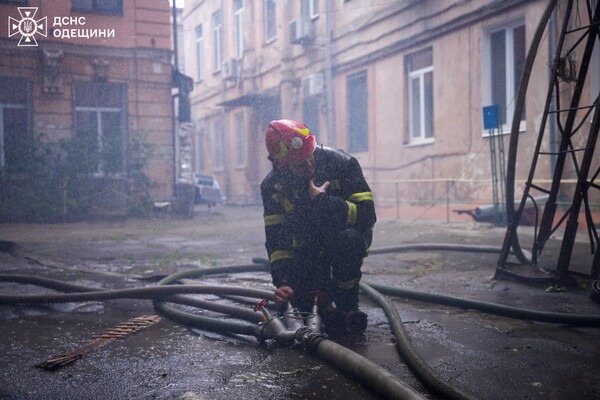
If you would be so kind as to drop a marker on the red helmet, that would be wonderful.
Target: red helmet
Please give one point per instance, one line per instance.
(289, 142)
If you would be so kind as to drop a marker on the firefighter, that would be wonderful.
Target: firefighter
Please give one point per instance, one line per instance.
(319, 216)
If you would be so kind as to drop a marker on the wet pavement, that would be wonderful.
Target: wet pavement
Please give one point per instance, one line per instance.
(488, 356)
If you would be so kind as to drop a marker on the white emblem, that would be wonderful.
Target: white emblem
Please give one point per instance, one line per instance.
(297, 143)
(27, 27)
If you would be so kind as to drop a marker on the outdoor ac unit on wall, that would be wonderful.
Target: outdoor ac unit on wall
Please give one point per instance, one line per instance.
(230, 69)
(313, 85)
(302, 31)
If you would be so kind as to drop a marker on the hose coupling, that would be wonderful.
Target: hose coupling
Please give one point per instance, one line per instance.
(309, 338)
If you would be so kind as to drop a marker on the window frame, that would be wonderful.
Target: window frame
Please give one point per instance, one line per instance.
(510, 77)
(100, 111)
(358, 119)
(425, 110)
(3, 108)
(238, 16)
(92, 7)
(22, 103)
(217, 21)
(270, 21)
(310, 9)
(199, 43)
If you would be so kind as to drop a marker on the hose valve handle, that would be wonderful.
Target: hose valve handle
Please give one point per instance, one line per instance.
(260, 306)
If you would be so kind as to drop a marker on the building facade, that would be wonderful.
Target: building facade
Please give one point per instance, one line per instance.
(403, 86)
(83, 73)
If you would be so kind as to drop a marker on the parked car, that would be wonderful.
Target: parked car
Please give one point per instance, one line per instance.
(207, 190)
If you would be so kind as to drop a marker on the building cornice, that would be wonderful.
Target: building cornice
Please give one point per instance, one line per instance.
(426, 36)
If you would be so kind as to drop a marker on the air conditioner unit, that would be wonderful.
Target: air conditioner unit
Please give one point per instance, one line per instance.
(230, 69)
(313, 85)
(302, 31)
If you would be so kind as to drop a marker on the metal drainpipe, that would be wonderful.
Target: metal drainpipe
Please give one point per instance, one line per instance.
(173, 98)
(328, 74)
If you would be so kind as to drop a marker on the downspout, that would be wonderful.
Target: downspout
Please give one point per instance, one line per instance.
(328, 74)
(174, 96)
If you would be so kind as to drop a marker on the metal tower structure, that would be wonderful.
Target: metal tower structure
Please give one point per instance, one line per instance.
(576, 173)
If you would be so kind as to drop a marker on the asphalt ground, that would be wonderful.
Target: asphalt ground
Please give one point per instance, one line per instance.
(486, 355)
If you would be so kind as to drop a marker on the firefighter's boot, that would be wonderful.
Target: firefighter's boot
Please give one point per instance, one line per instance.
(351, 318)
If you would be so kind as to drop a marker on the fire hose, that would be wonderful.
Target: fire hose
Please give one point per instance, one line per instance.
(268, 327)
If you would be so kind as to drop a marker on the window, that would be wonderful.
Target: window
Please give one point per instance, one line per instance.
(15, 138)
(310, 114)
(99, 6)
(219, 145)
(239, 27)
(270, 21)
(240, 140)
(217, 41)
(504, 66)
(199, 53)
(100, 124)
(358, 113)
(420, 97)
(310, 8)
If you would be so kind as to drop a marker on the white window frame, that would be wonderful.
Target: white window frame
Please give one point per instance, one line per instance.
(217, 20)
(199, 53)
(239, 28)
(270, 5)
(417, 138)
(310, 8)
(511, 92)
(98, 111)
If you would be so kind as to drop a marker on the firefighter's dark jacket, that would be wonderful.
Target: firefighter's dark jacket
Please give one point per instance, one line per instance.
(294, 221)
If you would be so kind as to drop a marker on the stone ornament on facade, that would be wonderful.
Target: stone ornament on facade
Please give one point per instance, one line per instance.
(100, 69)
(51, 70)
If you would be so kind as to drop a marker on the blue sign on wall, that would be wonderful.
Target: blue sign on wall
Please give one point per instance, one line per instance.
(490, 117)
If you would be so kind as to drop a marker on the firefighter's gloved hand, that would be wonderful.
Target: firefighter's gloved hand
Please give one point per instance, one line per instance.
(283, 294)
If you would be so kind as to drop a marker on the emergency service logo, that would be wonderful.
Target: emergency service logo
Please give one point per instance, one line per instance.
(27, 26)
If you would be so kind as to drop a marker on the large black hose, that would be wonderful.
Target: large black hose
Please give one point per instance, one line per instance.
(437, 247)
(168, 293)
(383, 381)
(590, 321)
(418, 366)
